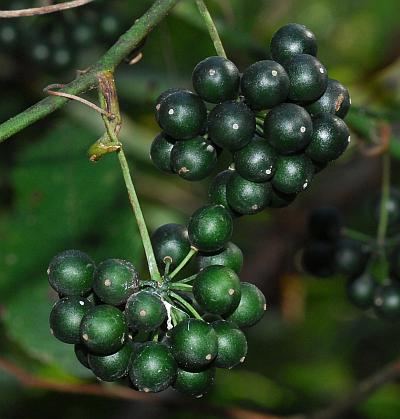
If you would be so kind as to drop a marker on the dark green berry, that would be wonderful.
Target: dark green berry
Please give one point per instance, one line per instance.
(170, 242)
(163, 96)
(230, 256)
(308, 78)
(217, 188)
(280, 199)
(251, 307)
(290, 40)
(231, 125)
(361, 291)
(66, 317)
(153, 368)
(194, 383)
(256, 161)
(115, 280)
(160, 152)
(392, 205)
(193, 159)
(81, 354)
(217, 289)
(210, 228)
(293, 173)
(194, 344)
(265, 84)
(182, 115)
(288, 127)
(318, 258)
(335, 100)
(103, 330)
(216, 79)
(330, 138)
(387, 301)
(145, 311)
(350, 258)
(247, 197)
(111, 367)
(232, 344)
(71, 273)
(325, 223)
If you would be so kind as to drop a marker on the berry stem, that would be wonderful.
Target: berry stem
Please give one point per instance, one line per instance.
(212, 29)
(260, 121)
(185, 304)
(357, 235)
(185, 280)
(180, 287)
(167, 262)
(385, 192)
(184, 262)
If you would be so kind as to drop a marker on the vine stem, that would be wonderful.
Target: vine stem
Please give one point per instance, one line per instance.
(357, 235)
(184, 262)
(44, 9)
(385, 192)
(212, 29)
(187, 305)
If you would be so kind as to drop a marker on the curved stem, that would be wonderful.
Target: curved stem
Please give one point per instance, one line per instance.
(385, 192)
(212, 29)
(185, 304)
(44, 9)
(184, 262)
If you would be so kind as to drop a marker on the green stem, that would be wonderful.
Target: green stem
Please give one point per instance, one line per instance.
(357, 235)
(185, 280)
(180, 286)
(167, 262)
(259, 121)
(151, 260)
(212, 29)
(185, 304)
(184, 262)
(385, 192)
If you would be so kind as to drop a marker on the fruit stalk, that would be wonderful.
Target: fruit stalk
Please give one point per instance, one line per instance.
(385, 191)
(184, 262)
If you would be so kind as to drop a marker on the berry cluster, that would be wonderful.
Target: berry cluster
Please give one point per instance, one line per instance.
(282, 121)
(372, 281)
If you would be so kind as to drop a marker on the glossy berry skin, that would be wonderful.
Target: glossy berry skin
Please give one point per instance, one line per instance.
(216, 79)
(350, 258)
(256, 161)
(247, 197)
(182, 115)
(103, 330)
(160, 152)
(308, 78)
(232, 344)
(392, 208)
(387, 301)
(325, 223)
(145, 311)
(288, 127)
(115, 280)
(193, 159)
(231, 125)
(153, 368)
(210, 228)
(251, 307)
(361, 291)
(217, 289)
(66, 316)
(163, 96)
(81, 354)
(290, 40)
(170, 241)
(280, 199)
(217, 188)
(317, 258)
(111, 367)
(194, 344)
(194, 383)
(265, 84)
(230, 256)
(293, 173)
(335, 100)
(330, 138)
(71, 273)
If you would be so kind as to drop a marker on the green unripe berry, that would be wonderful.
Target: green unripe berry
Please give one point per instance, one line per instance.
(256, 161)
(103, 330)
(66, 316)
(361, 291)
(193, 159)
(308, 78)
(217, 188)
(335, 100)
(290, 40)
(81, 354)
(280, 199)
(111, 367)
(230, 256)
(115, 280)
(350, 258)
(210, 228)
(194, 383)
(251, 307)
(247, 197)
(182, 115)
(217, 289)
(194, 344)
(288, 127)
(153, 368)
(163, 96)
(387, 301)
(71, 273)
(160, 152)
(170, 241)
(265, 84)
(145, 311)
(231, 125)
(293, 173)
(216, 79)
(232, 344)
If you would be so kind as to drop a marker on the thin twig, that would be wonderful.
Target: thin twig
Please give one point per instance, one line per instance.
(385, 192)
(44, 10)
